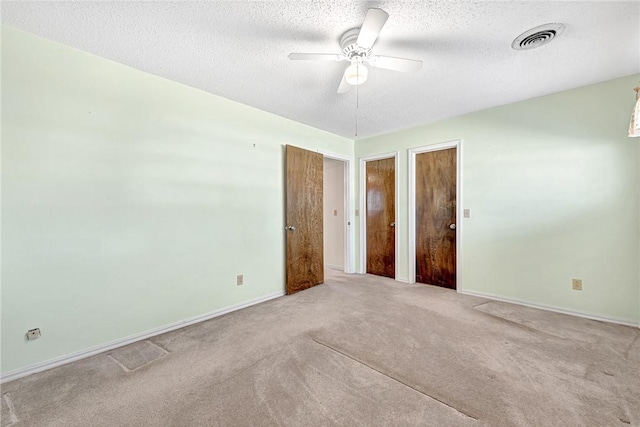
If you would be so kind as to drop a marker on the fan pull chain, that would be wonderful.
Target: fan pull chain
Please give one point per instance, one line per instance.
(357, 105)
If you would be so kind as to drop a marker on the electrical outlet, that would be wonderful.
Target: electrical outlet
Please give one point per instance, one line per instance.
(576, 284)
(467, 213)
(33, 334)
(240, 279)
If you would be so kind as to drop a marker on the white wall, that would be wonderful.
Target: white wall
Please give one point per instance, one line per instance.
(334, 215)
(554, 192)
(130, 202)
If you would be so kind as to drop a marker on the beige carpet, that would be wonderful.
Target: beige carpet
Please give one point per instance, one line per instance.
(357, 351)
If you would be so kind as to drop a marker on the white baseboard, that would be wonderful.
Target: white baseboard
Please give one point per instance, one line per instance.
(52, 363)
(402, 279)
(334, 267)
(620, 321)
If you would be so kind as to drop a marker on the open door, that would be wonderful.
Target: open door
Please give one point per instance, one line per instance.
(304, 210)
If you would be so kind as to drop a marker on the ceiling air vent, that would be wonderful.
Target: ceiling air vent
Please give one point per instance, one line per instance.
(537, 36)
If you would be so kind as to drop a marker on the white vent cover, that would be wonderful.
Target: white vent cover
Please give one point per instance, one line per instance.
(537, 36)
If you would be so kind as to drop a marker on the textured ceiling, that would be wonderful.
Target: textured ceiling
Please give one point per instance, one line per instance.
(239, 50)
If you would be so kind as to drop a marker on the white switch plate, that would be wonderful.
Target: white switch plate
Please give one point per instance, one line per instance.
(467, 213)
(240, 280)
(576, 284)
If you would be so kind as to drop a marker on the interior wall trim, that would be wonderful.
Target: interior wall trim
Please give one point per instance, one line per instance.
(63, 360)
(617, 320)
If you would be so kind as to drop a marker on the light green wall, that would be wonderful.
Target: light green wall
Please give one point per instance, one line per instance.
(554, 190)
(129, 201)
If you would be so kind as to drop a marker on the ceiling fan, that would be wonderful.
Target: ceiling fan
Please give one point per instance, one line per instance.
(356, 46)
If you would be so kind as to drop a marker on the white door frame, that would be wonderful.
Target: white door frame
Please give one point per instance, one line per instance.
(457, 144)
(363, 206)
(349, 231)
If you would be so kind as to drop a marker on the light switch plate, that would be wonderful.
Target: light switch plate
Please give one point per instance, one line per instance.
(576, 284)
(467, 213)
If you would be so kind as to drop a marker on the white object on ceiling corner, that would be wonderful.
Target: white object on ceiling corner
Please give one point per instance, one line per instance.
(634, 125)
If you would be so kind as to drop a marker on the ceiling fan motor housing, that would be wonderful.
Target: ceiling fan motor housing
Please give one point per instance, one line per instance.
(350, 48)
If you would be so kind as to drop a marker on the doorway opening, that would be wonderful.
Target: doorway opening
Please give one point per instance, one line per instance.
(336, 218)
(304, 215)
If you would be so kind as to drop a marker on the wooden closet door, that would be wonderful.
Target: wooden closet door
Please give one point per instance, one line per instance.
(436, 218)
(381, 211)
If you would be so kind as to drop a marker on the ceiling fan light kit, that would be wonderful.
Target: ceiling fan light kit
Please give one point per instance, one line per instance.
(356, 73)
(356, 45)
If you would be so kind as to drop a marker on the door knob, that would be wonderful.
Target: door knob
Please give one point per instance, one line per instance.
(290, 228)
(393, 224)
(452, 226)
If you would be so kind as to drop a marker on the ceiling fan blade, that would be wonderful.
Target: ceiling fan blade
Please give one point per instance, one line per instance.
(395, 64)
(344, 86)
(316, 57)
(371, 27)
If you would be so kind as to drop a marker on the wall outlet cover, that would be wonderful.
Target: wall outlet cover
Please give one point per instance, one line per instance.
(240, 280)
(33, 334)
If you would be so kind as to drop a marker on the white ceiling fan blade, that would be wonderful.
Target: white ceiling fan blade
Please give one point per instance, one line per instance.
(344, 86)
(316, 57)
(395, 64)
(371, 27)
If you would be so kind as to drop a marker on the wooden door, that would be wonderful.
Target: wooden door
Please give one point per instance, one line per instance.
(305, 262)
(381, 213)
(436, 218)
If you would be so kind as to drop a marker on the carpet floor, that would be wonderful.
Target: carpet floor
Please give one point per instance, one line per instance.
(356, 351)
